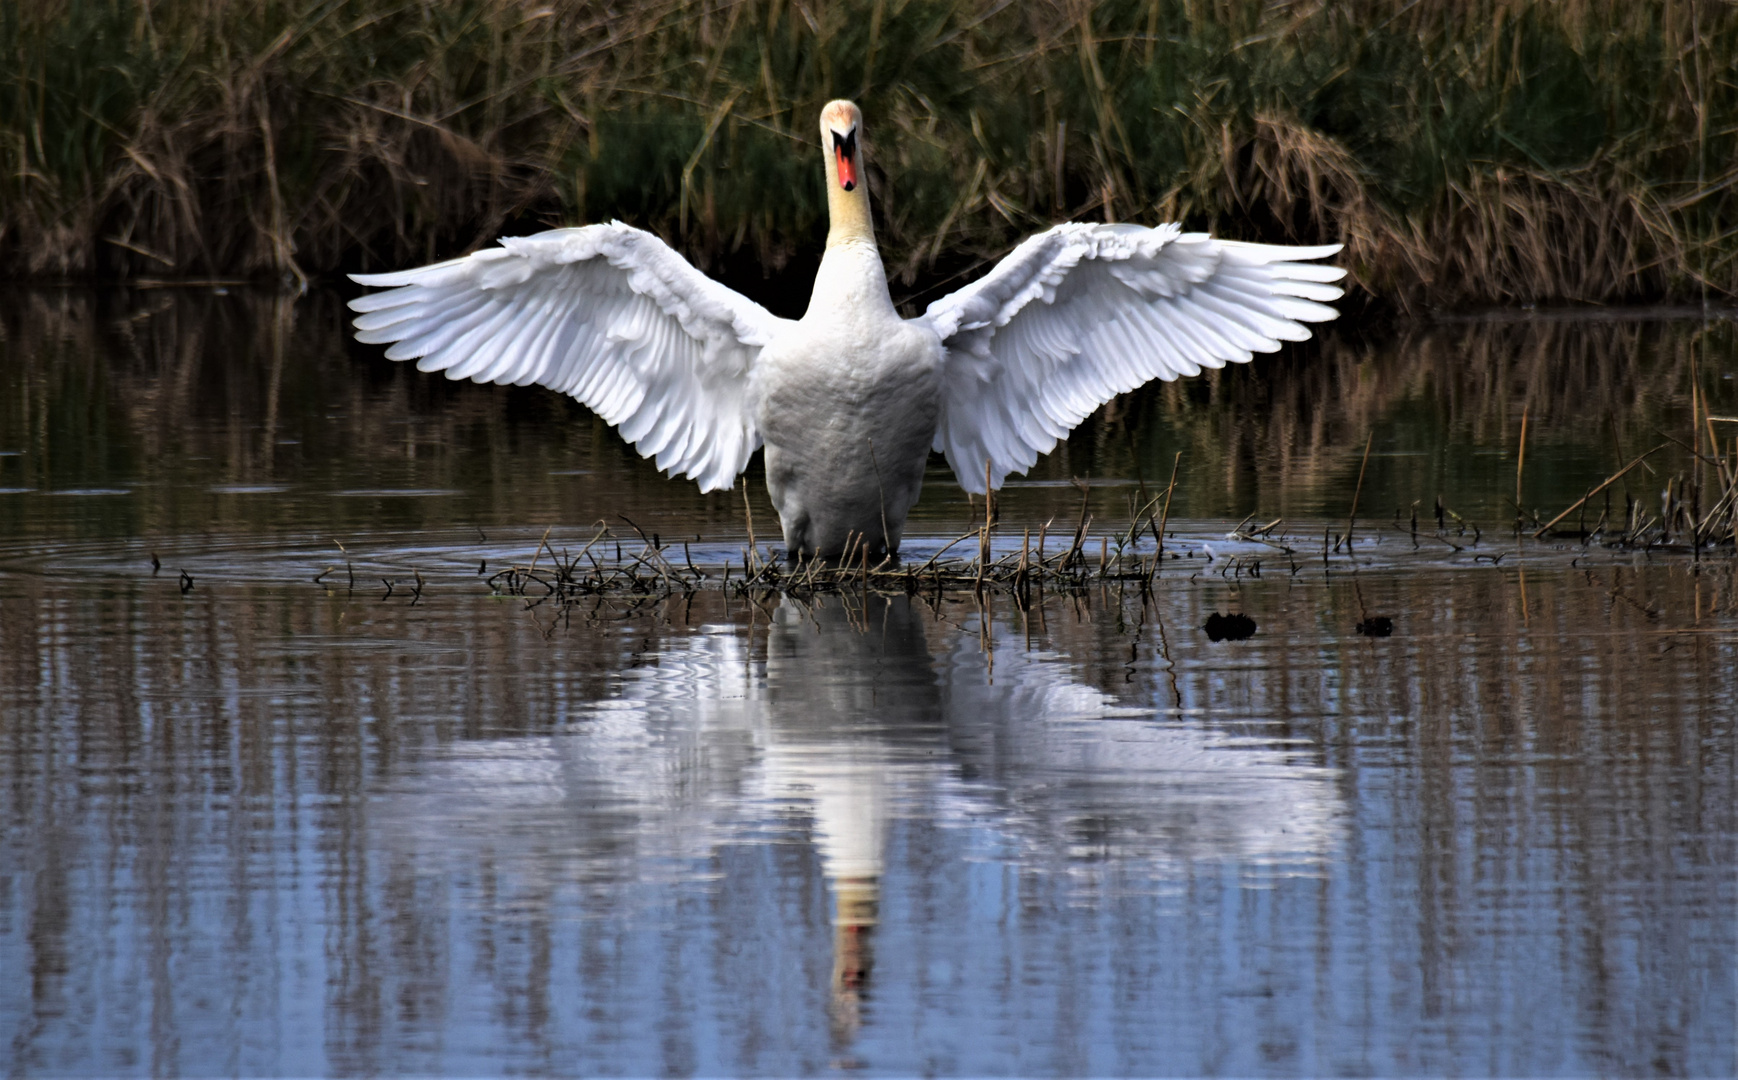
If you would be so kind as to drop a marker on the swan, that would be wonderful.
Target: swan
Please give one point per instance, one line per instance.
(849, 399)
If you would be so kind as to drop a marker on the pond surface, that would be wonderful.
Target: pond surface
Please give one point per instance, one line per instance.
(258, 824)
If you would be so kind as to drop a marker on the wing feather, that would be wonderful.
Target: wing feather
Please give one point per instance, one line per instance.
(606, 313)
(1081, 312)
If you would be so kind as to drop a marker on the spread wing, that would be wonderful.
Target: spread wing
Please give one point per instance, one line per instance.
(1082, 312)
(607, 313)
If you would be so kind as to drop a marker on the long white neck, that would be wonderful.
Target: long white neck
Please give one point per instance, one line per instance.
(848, 218)
(850, 283)
(851, 277)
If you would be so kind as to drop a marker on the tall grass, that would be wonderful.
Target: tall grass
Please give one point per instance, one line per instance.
(1465, 150)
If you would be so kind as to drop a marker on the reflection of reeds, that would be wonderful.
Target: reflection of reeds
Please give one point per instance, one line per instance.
(1283, 436)
(1503, 150)
(149, 386)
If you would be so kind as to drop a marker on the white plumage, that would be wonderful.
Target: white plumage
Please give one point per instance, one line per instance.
(607, 313)
(849, 399)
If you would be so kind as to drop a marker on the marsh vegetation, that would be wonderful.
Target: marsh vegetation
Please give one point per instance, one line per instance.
(1493, 151)
(1365, 709)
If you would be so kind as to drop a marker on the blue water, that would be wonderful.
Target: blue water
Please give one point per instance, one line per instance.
(272, 825)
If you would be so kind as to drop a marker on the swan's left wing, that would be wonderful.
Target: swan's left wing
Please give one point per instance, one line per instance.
(607, 313)
(1082, 312)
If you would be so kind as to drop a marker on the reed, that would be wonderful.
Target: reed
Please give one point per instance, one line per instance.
(1466, 151)
(565, 579)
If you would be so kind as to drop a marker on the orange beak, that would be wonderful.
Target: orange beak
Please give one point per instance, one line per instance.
(845, 153)
(847, 170)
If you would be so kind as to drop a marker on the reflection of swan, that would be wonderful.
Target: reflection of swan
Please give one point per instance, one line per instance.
(859, 722)
(854, 715)
(850, 399)
(1120, 783)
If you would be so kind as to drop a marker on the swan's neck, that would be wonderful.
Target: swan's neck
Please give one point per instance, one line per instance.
(848, 214)
(851, 284)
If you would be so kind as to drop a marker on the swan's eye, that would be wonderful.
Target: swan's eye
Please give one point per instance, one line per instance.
(845, 150)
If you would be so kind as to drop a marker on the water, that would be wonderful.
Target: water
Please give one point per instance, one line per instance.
(268, 825)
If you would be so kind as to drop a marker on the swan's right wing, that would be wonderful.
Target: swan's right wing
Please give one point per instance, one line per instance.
(1082, 312)
(607, 313)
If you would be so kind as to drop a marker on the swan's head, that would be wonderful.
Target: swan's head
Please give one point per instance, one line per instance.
(847, 194)
(841, 136)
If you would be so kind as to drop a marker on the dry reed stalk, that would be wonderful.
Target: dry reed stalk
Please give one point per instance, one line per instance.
(1165, 515)
(1520, 465)
(1352, 518)
(1607, 482)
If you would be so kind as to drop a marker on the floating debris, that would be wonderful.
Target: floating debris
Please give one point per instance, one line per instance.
(1376, 626)
(1233, 627)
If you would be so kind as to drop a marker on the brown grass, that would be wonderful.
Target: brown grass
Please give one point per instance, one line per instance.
(1493, 152)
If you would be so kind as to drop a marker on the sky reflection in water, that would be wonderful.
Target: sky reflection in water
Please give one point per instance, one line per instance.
(268, 826)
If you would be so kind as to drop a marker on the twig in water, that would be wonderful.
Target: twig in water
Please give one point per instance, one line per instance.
(1020, 575)
(539, 551)
(984, 532)
(943, 551)
(1079, 529)
(1358, 491)
(1612, 479)
(1166, 515)
(651, 543)
(881, 493)
(351, 570)
(748, 516)
(1520, 464)
(1694, 452)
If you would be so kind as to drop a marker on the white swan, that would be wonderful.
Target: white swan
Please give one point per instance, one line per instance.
(849, 399)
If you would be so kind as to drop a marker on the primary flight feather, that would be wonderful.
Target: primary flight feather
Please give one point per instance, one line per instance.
(848, 400)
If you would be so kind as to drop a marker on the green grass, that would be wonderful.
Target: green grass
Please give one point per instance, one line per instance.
(1467, 152)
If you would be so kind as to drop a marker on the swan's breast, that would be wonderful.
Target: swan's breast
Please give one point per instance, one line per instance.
(848, 372)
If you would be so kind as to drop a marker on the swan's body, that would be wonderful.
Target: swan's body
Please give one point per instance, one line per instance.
(848, 403)
(849, 399)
